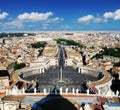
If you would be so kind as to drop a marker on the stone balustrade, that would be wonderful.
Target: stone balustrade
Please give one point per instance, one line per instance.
(46, 91)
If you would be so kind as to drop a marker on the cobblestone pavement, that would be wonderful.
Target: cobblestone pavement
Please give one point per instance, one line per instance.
(70, 77)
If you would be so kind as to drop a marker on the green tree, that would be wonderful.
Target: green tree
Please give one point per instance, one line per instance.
(38, 44)
(19, 66)
(117, 64)
(114, 52)
(69, 42)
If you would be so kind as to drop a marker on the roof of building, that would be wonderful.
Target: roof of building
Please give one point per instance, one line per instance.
(102, 100)
(2, 95)
(4, 73)
(111, 106)
(97, 107)
(14, 98)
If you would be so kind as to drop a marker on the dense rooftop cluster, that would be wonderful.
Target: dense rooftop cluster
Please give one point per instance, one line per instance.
(36, 50)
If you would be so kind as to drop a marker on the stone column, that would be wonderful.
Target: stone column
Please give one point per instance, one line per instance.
(77, 90)
(79, 70)
(99, 92)
(66, 90)
(117, 93)
(45, 91)
(61, 90)
(88, 91)
(14, 90)
(40, 70)
(73, 91)
(43, 70)
(23, 90)
(35, 90)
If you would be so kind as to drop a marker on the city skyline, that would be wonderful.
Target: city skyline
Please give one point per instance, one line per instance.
(63, 15)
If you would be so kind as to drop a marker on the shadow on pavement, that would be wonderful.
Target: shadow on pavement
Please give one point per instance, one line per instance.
(53, 102)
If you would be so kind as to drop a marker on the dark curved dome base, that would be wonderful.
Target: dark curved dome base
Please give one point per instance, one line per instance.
(52, 102)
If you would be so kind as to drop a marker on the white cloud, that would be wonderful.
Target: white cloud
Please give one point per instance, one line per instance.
(88, 19)
(14, 24)
(113, 15)
(34, 16)
(96, 19)
(117, 14)
(20, 21)
(55, 20)
(3, 15)
(108, 15)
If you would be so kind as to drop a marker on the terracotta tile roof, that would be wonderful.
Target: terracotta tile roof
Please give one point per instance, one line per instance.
(116, 100)
(14, 98)
(4, 52)
(2, 95)
(102, 100)
(94, 89)
(97, 106)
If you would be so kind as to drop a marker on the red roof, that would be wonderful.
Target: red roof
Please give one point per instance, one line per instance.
(94, 89)
(97, 106)
(102, 100)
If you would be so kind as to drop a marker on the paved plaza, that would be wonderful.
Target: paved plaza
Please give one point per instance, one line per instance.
(70, 77)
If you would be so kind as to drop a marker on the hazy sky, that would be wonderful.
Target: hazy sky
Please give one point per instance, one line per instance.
(50, 15)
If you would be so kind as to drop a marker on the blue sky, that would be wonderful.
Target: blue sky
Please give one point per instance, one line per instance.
(59, 15)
